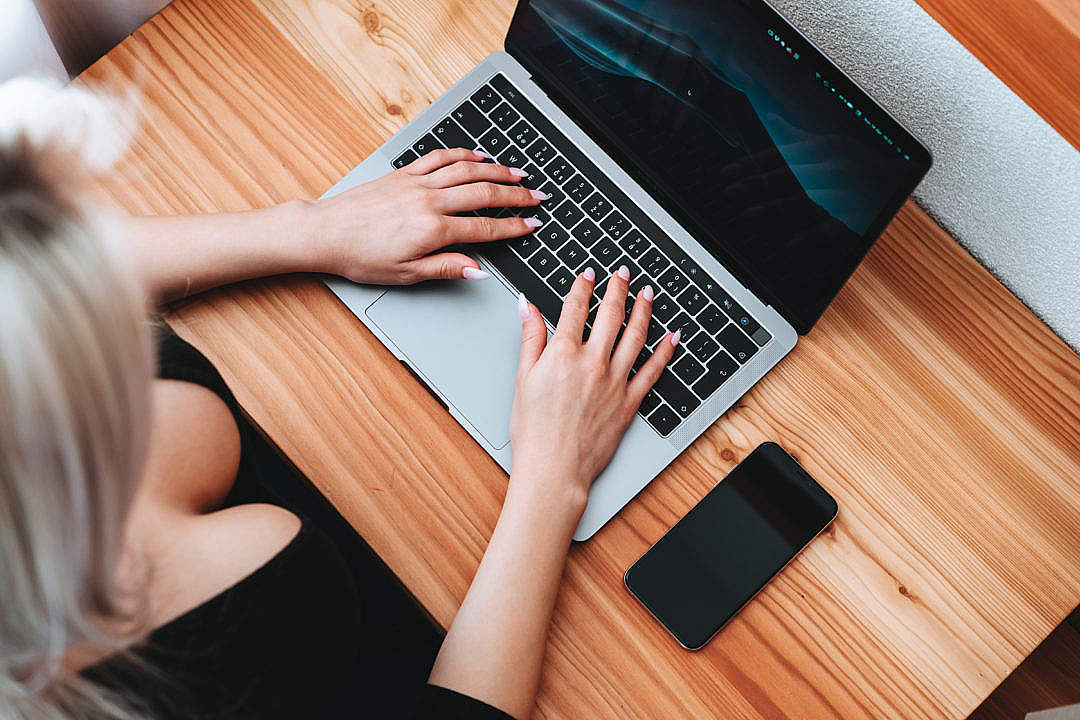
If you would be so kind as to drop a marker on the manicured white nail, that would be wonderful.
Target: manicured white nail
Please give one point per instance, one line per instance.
(483, 154)
(539, 194)
(623, 272)
(518, 172)
(647, 293)
(532, 221)
(471, 273)
(523, 306)
(589, 274)
(675, 337)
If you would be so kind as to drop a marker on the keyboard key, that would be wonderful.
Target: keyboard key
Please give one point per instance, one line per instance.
(616, 225)
(720, 369)
(524, 280)
(556, 194)
(560, 281)
(485, 98)
(552, 236)
(578, 188)
(740, 316)
(405, 158)
(736, 343)
(450, 134)
(688, 267)
(508, 91)
(568, 214)
(513, 156)
(761, 336)
(683, 322)
(688, 370)
(561, 170)
(426, 144)
(650, 403)
(673, 281)
(543, 262)
(712, 319)
(597, 206)
(524, 245)
(634, 243)
(573, 255)
(702, 346)
(692, 300)
(523, 135)
(494, 142)
(676, 394)
(655, 332)
(505, 116)
(607, 253)
(653, 262)
(534, 178)
(541, 152)
(664, 308)
(587, 233)
(663, 419)
(471, 119)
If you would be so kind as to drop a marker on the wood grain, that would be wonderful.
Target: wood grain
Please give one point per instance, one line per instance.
(1033, 46)
(939, 412)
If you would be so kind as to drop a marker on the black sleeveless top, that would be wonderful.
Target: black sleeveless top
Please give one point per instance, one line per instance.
(277, 644)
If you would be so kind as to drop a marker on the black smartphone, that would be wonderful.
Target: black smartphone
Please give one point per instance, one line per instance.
(721, 553)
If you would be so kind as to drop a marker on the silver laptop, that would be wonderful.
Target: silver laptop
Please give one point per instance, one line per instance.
(708, 147)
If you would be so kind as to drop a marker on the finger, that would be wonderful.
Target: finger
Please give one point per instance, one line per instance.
(533, 335)
(649, 373)
(480, 195)
(444, 266)
(633, 338)
(440, 158)
(576, 307)
(485, 229)
(470, 171)
(612, 311)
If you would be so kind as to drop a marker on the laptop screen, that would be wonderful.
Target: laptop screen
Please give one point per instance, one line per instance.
(772, 158)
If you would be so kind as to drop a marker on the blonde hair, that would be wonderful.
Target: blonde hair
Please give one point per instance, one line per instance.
(76, 364)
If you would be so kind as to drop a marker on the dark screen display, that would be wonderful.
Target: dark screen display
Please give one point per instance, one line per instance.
(778, 164)
(714, 560)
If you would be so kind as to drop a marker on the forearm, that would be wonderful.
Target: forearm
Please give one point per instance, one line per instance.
(181, 255)
(494, 649)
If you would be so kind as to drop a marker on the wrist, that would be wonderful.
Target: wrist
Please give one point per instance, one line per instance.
(304, 242)
(556, 494)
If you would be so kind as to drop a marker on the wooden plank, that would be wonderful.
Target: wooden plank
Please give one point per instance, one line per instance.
(1033, 46)
(942, 415)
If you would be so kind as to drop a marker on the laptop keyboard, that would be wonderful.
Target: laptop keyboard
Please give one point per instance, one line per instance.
(588, 221)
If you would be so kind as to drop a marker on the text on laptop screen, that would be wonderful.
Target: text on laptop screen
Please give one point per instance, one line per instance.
(775, 161)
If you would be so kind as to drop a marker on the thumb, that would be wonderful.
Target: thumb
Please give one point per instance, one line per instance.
(446, 266)
(533, 335)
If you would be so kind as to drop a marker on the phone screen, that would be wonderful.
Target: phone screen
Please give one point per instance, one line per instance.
(744, 531)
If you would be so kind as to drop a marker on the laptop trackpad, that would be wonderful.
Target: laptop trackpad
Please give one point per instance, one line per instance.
(463, 337)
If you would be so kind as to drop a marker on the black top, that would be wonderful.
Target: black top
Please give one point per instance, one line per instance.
(277, 644)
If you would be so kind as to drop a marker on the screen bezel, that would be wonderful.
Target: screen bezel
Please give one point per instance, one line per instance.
(769, 452)
(801, 319)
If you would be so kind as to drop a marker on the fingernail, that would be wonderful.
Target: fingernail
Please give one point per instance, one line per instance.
(623, 272)
(675, 337)
(471, 273)
(647, 293)
(523, 306)
(589, 274)
(539, 194)
(518, 172)
(532, 221)
(483, 154)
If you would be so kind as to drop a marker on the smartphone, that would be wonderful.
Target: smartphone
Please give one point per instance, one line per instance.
(721, 553)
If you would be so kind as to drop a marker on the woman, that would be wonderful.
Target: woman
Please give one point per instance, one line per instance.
(137, 577)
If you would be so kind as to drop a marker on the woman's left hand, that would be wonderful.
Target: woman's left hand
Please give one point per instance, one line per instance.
(389, 231)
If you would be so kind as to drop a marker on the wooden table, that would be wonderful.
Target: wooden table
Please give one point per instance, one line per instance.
(941, 414)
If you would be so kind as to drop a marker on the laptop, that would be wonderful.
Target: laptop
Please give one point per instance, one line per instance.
(707, 146)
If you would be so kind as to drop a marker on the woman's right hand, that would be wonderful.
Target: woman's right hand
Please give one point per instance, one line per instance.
(574, 399)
